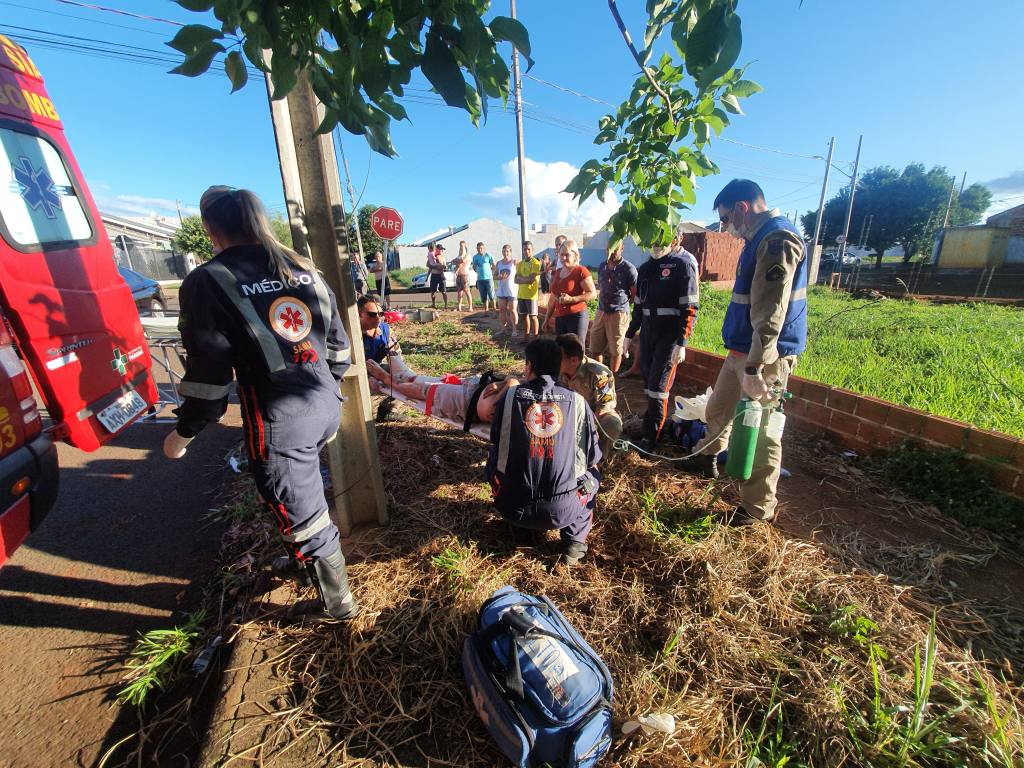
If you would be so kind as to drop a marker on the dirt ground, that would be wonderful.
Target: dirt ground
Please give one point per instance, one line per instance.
(970, 577)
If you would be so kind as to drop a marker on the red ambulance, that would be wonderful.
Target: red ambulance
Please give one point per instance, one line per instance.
(68, 318)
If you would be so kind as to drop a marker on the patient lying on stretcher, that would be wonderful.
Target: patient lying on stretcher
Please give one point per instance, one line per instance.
(447, 397)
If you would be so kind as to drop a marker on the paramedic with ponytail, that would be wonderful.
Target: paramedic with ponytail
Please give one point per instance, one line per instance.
(260, 313)
(765, 328)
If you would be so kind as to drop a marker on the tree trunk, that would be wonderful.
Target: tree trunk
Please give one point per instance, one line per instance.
(878, 259)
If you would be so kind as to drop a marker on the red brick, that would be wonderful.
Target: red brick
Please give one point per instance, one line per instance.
(872, 409)
(845, 423)
(991, 445)
(1018, 454)
(796, 407)
(803, 424)
(842, 400)
(814, 392)
(905, 420)
(795, 385)
(880, 437)
(1006, 476)
(946, 432)
(816, 414)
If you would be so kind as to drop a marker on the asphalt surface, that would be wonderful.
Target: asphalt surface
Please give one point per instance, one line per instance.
(123, 551)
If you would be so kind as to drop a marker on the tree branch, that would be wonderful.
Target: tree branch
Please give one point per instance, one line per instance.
(640, 61)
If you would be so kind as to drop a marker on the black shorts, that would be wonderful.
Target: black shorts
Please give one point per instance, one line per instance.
(461, 283)
(437, 283)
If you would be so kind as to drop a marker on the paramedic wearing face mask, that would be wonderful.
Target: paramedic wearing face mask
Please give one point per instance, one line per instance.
(765, 328)
(665, 312)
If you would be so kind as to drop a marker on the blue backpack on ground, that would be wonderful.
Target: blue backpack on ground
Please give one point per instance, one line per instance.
(539, 688)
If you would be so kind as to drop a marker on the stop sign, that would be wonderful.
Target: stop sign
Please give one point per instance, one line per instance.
(386, 223)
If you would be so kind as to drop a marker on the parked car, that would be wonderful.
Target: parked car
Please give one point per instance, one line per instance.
(28, 457)
(422, 282)
(147, 293)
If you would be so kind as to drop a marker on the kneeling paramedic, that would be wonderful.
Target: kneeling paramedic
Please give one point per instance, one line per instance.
(544, 452)
(665, 312)
(260, 312)
(765, 328)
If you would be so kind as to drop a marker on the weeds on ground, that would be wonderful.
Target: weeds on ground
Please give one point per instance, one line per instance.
(959, 488)
(156, 657)
(678, 521)
(771, 746)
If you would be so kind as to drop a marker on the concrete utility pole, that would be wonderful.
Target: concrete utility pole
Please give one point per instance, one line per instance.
(517, 84)
(351, 193)
(815, 252)
(312, 191)
(949, 203)
(849, 206)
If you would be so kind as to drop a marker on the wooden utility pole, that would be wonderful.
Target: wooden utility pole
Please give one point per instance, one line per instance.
(316, 213)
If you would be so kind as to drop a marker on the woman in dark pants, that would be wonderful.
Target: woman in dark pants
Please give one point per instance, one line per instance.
(261, 314)
(571, 288)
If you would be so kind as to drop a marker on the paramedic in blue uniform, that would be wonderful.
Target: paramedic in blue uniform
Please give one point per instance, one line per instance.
(542, 464)
(765, 329)
(260, 313)
(664, 312)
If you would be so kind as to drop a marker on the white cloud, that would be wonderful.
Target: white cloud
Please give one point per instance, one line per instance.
(138, 205)
(545, 200)
(1009, 184)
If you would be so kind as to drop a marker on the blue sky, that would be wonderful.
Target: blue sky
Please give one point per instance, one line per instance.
(928, 81)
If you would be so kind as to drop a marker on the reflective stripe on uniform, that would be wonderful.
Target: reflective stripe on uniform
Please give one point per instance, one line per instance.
(339, 355)
(580, 458)
(325, 300)
(798, 294)
(693, 298)
(307, 532)
(663, 312)
(506, 427)
(656, 395)
(203, 391)
(268, 344)
(741, 298)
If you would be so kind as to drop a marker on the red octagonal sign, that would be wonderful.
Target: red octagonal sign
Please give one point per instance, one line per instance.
(387, 223)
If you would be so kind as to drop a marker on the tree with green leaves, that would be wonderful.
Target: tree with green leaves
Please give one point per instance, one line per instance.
(371, 240)
(191, 237)
(904, 208)
(360, 55)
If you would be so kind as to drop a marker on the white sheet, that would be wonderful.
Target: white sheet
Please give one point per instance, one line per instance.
(483, 431)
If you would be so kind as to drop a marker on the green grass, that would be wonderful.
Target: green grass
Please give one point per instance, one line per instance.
(156, 657)
(405, 275)
(448, 347)
(961, 361)
(678, 521)
(959, 488)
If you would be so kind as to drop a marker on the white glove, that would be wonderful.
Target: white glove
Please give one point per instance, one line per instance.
(678, 354)
(175, 445)
(754, 386)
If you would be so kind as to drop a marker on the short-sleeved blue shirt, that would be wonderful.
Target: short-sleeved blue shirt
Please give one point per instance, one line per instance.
(376, 347)
(614, 284)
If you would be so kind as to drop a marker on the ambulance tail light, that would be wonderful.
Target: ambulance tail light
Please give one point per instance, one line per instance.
(15, 372)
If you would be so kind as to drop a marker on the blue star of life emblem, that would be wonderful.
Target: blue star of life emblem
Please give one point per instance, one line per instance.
(36, 187)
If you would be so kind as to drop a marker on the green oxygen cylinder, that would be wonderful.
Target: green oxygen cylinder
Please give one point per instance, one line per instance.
(746, 426)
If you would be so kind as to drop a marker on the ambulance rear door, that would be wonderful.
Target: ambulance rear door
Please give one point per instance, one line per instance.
(72, 314)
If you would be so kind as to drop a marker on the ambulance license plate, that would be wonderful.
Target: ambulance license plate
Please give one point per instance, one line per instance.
(121, 411)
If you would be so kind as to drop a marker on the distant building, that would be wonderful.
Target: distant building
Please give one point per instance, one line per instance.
(996, 243)
(493, 234)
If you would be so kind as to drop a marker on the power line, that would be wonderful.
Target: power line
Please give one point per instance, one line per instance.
(570, 91)
(82, 18)
(118, 11)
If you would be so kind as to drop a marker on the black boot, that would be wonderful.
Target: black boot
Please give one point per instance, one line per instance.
(285, 567)
(705, 466)
(331, 581)
(571, 552)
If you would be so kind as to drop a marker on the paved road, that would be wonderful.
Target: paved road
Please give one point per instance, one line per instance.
(117, 555)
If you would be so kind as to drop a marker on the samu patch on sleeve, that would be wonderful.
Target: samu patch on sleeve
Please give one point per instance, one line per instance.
(775, 273)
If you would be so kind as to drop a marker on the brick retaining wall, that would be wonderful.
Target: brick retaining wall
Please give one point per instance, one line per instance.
(867, 424)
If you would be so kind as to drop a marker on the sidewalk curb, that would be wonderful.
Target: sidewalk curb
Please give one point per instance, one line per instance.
(239, 664)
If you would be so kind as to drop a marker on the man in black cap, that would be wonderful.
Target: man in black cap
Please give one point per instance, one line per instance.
(436, 267)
